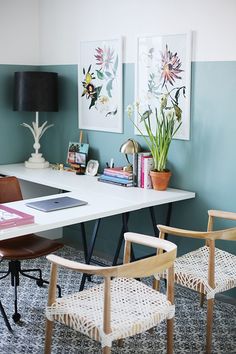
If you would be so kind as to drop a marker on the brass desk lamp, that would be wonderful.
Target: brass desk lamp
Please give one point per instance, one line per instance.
(129, 147)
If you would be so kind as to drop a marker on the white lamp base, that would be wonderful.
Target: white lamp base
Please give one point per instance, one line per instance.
(36, 161)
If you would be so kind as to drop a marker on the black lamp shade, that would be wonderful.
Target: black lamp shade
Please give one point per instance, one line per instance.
(35, 91)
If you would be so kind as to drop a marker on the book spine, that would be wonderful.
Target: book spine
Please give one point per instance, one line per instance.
(115, 179)
(142, 171)
(135, 169)
(119, 175)
(147, 166)
(140, 167)
(117, 171)
(115, 183)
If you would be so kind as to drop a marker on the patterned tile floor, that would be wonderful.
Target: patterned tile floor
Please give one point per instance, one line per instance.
(28, 334)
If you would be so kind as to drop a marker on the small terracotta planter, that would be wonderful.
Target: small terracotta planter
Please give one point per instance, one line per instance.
(160, 180)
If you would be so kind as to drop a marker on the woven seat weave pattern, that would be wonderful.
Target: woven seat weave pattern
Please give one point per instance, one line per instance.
(135, 307)
(191, 270)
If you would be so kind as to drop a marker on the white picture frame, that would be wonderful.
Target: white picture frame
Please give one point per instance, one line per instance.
(92, 168)
(164, 65)
(100, 85)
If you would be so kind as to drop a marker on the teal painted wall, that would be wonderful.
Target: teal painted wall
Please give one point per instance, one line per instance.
(205, 164)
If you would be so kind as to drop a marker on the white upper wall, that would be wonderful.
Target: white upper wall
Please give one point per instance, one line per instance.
(19, 32)
(49, 31)
(65, 22)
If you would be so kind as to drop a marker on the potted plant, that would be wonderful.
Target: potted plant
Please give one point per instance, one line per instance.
(167, 120)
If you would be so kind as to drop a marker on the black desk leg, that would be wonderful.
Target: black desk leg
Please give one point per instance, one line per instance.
(82, 226)
(154, 222)
(168, 216)
(5, 317)
(125, 219)
(90, 251)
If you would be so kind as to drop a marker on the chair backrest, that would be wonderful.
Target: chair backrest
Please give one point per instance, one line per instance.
(137, 269)
(10, 190)
(213, 214)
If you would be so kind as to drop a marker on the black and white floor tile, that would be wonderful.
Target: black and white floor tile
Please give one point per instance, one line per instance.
(28, 334)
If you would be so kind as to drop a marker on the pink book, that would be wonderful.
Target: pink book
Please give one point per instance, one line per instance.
(10, 217)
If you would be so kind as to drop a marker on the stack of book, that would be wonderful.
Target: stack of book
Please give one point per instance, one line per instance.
(117, 176)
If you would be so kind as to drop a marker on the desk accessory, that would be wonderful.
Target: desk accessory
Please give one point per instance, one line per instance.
(117, 176)
(54, 204)
(36, 92)
(10, 217)
(129, 147)
(92, 168)
(77, 155)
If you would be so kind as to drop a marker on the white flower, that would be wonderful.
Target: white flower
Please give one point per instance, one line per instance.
(130, 110)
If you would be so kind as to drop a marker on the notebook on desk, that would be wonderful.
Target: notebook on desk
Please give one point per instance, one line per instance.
(54, 204)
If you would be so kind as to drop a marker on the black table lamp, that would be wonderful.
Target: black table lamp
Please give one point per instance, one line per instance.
(36, 92)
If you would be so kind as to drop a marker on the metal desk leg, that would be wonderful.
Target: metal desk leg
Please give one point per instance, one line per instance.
(154, 222)
(82, 226)
(125, 219)
(5, 317)
(90, 251)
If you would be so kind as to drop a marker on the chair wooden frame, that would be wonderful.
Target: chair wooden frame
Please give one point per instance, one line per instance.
(138, 269)
(210, 238)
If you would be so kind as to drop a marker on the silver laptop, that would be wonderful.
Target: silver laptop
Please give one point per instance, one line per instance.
(56, 204)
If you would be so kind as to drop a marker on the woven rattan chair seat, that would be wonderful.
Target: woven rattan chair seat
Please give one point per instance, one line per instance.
(135, 307)
(191, 270)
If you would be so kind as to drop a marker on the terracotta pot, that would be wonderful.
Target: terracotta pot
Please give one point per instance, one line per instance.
(160, 180)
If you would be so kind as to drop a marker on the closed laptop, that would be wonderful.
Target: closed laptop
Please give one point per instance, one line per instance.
(56, 204)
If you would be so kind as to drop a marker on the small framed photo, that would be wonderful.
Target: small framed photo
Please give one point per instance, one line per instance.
(77, 153)
(80, 159)
(92, 168)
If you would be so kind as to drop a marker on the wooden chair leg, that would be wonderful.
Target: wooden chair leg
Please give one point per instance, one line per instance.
(202, 298)
(48, 337)
(106, 350)
(120, 342)
(170, 336)
(210, 306)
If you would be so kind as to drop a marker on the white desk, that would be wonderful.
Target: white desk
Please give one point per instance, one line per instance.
(103, 200)
(68, 181)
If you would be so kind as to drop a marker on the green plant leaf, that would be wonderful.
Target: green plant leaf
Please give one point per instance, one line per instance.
(109, 87)
(100, 75)
(145, 115)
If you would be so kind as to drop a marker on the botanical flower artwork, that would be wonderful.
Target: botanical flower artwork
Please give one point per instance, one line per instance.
(163, 70)
(100, 86)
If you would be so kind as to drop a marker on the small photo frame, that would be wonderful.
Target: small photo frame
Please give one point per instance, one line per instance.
(80, 158)
(77, 153)
(92, 168)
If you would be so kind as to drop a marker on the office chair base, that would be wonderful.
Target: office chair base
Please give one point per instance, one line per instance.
(16, 317)
(5, 317)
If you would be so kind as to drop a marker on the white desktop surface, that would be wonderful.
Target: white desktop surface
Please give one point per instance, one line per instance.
(96, 208)
(103, 199)
(71, 182)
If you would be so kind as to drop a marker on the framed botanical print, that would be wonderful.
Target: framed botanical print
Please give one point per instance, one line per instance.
(100, 85)
(163, 70)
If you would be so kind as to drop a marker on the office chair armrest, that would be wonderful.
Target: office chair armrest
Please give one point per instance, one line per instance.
(222, 214)
(149, 241)
(227, 234)
(76, 266)
(183, 233)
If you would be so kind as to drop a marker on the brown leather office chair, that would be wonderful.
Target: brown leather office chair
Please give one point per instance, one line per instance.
(21, 248)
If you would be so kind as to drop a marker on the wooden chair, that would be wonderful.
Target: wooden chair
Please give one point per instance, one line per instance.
(21, 248)
(207, 270)
(120, 307)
